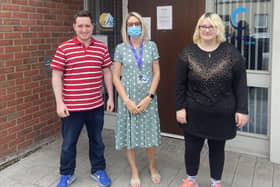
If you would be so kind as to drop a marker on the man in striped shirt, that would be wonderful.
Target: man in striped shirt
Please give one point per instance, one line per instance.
(79, 67)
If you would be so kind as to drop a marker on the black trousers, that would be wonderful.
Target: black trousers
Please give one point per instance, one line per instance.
(193, 146)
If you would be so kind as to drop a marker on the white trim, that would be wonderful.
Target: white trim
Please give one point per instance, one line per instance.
(85, 4)
(172, 135)
(258, 79)
(125, 8)
(275, 88)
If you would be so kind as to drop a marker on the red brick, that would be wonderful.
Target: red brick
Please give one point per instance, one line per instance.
(36, 3)
(15, 89)
(25, 144)
(6, 28)
(16, 141)
(23, 68)
(44, 23)
(6, 42)
(44, 34)
(23, 81)
(13, 49)
(20, 2)
(31, 73)
(50, 17)
(24, 93)
(29, 48)
(6, 83)
(29, 35)
(7, 70)
(31, 110)
(15, 129)
(36, 28)
(15, 115)
(32, 122)
(35, 16)
(21, 28)
(12, 35)
(3, 133)
(27, 9)
(4, 14)
(15, 102)
(3, 146)
(3, 119)
(27, 22)
(32, 135)
(17, 75)
(30, 60)
(22, 55)
(10, 21)
(31, 98)
(23, 106)
(6, 56)
(13, 62)
(37, 41)
(50, 4)
(43, 10)
(20, 15)
(21, 41)
(24, 119)
(6, 125)
(12, 7)
(6, 98)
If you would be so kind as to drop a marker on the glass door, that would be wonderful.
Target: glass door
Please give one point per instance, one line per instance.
(248, 28)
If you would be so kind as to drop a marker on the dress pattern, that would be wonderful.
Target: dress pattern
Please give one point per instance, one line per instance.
(137, 130)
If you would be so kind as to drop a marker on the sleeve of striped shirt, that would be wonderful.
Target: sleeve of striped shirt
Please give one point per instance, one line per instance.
(107, 62)
(58, 61)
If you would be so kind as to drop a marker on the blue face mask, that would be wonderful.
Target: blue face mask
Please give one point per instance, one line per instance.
(135, 31)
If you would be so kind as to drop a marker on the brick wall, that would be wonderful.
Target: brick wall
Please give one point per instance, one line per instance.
(30, 30)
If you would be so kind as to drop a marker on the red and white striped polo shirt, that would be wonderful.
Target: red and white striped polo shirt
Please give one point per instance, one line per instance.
(83, 75)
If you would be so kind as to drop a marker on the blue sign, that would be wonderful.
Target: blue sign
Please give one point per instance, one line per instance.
(234, 15)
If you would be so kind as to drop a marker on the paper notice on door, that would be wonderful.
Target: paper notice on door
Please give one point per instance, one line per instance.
(147, 21)
(164, 18)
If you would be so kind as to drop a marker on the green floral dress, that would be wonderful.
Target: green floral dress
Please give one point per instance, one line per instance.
(137, 130)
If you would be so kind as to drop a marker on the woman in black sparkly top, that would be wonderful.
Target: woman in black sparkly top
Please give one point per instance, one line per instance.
(211, 96)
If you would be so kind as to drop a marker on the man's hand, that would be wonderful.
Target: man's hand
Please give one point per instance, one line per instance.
(110, 105)
(62, 110)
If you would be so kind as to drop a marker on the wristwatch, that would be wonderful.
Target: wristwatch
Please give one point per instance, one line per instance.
(151, 95)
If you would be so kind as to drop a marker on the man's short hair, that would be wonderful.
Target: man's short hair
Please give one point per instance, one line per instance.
(82, 13)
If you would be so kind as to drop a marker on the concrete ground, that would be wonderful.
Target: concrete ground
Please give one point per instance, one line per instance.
(40, 169)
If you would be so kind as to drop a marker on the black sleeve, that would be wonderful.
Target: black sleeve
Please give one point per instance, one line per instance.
(181, 84)
(240, 83)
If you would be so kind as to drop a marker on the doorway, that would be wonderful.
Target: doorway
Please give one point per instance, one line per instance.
(170, 43)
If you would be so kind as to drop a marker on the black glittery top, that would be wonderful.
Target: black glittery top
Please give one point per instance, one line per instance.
(212, 87)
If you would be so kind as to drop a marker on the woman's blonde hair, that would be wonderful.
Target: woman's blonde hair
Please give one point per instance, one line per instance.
(216, 21)
(144, 35)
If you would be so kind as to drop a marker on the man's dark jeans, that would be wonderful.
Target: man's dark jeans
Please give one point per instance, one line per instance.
(71, 129)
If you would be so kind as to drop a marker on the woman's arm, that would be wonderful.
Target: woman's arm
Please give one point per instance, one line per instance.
(131, 106)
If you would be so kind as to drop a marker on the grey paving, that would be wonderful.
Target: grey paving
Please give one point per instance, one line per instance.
(40, 169)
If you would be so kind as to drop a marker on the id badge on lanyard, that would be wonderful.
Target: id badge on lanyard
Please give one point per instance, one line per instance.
(141, 77)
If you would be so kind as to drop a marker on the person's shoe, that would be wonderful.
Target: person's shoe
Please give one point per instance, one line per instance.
(189, 183)
(215, 185)
(66, 180)
(102, 178)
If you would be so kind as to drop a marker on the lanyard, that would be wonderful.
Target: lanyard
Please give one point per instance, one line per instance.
(138, 59)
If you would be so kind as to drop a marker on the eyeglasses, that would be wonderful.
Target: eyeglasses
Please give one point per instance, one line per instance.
(205, 27)
(131, 24)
